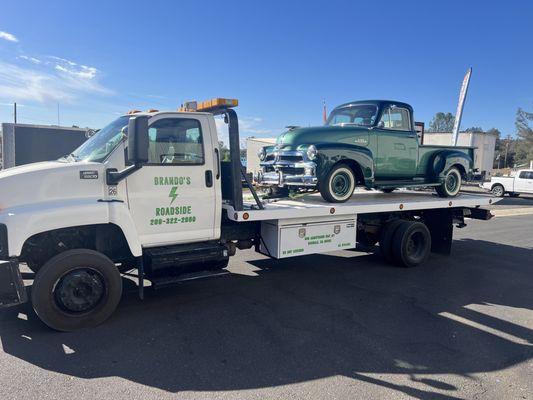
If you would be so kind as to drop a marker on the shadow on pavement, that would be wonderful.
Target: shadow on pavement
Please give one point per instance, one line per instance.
(310, 318)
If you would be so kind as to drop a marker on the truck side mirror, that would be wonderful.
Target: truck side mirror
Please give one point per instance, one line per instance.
(138, 140)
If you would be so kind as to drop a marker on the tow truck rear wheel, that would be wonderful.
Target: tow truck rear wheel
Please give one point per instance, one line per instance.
(76, 289)
(411, 244)
(387, 234)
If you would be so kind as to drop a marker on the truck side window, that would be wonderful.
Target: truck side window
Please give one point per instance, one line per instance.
(526, 175)
(176, 141)
(395, 118)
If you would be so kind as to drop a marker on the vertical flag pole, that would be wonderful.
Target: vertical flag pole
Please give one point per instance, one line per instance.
(324, 112)
(460, 106)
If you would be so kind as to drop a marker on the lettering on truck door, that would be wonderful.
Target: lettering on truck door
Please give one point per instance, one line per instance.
(172, 198)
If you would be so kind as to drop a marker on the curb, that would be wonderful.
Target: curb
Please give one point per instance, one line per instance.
(510, 212)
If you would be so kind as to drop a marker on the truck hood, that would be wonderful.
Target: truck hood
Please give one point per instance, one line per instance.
(50, 181)
(316, 135)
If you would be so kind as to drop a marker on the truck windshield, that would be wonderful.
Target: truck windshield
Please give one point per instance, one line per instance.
(99, 146)
(357, 114)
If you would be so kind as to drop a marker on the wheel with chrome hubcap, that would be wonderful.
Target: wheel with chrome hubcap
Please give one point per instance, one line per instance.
(451, 184)
(76, 289)
(339, 184)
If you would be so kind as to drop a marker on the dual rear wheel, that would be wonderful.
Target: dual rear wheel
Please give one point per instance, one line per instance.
(405, 243)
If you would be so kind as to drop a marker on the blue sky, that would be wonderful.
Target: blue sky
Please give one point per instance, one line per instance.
(99, 59)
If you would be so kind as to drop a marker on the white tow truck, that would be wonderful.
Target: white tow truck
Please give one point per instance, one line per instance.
(148, 195)
(514, 186)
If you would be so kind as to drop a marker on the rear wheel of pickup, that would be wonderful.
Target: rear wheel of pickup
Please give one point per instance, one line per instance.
(498, 190)
(76, 289)
(339, 184)
(451, 183)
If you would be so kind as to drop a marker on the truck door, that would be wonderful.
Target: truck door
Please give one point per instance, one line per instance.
(174, 198)
(397, 142)
(524, 182)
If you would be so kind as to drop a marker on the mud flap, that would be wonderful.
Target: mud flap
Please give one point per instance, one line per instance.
(12, 290)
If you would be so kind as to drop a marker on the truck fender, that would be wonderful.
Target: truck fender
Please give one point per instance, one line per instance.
(443, 160)
(330, 154)
(39, 218)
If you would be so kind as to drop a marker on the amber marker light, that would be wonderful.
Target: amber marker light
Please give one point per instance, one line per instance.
(245, 215)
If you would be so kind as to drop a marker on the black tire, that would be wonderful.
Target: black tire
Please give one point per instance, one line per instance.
(498, 190)
(411, 244)
(388, 190)
(451, 185)
(338, 185)
(76, 289)
(387, 233)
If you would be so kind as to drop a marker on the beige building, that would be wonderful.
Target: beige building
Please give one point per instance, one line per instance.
(253, 145)
(485, 144)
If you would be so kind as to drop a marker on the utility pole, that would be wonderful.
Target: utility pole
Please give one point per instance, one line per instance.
(506, 151)
(15, 112)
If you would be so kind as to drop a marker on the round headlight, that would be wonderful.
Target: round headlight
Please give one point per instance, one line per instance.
(261, 154)
(312, 152)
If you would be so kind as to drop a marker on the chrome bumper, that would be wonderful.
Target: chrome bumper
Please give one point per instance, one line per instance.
(281, 177)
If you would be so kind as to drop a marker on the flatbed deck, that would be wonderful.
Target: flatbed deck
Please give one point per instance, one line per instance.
(363, 202)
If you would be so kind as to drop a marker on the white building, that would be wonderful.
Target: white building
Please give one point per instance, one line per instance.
(253, 145)
(485, 144)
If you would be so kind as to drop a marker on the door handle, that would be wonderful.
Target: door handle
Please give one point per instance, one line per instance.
(218, 164)
(209, 178)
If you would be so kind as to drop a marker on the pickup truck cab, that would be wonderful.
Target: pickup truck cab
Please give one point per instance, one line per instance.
(371, 143)
(521, 182)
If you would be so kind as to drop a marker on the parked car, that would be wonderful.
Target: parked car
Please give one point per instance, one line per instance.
(522, 182)
(369, 143)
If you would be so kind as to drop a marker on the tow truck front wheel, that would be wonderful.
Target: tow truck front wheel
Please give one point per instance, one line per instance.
(339, 184)
(76, 289)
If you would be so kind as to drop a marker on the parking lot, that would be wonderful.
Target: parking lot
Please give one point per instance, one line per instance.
(342, 325)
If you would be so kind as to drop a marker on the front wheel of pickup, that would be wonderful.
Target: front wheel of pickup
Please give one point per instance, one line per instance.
(76, 289)
(498, 190)
(451, 184)
(339, 184)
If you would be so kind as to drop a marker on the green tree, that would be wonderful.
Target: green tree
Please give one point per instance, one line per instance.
(474, 129)
(524, 132)
(441, 122)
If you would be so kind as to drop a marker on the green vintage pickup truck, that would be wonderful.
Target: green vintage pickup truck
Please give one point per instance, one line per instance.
(368, 143)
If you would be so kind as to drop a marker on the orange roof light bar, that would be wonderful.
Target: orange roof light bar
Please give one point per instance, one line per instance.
(209, 105)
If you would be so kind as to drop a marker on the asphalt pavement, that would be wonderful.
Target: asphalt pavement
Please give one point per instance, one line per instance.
(343, 325)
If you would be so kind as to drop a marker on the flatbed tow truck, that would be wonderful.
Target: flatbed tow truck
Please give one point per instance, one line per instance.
(149, 196)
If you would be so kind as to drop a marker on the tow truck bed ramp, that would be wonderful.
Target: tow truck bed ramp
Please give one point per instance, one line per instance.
(313, 205)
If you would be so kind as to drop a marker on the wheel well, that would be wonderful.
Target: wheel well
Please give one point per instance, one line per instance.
(104, 238)
(461, 169)
(497, 184)
(356, 168)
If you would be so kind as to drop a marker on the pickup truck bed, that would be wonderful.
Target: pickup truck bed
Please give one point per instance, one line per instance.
(363, 202)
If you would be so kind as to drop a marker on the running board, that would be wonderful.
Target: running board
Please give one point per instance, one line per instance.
(403, 184)
(166, 281)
